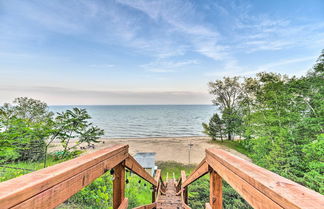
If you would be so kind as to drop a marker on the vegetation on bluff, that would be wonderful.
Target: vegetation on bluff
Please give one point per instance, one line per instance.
(27, 129)
(281, 119)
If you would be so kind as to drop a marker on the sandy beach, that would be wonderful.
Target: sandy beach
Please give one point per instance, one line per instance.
(166, 148)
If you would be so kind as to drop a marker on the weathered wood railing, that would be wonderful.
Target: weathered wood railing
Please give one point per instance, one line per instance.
(261, 188)
(49, 187)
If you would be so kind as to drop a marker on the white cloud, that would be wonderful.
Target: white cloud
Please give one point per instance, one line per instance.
(232, 68)
(163, 66)
(182, 18)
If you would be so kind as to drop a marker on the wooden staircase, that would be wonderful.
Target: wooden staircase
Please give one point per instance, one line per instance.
(170, 199)
(262, 189)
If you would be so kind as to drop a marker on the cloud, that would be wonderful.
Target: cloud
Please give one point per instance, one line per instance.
(163, 66)
(185, 21)
(232, 68)
(270, 33)
(57, 95)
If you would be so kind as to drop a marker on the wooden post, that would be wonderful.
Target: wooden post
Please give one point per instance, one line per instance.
(153, 194)
(185, 189)
(185, 195)
(118, 185)
(215, 195)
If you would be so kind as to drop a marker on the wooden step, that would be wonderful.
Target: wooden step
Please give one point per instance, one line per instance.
(169, 200)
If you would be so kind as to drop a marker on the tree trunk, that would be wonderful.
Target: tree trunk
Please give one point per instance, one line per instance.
(45, 156)
(229, 135)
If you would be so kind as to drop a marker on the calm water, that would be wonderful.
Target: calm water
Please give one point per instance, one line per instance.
(121, 121)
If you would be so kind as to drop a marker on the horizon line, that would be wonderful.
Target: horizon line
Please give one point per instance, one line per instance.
(124, 104)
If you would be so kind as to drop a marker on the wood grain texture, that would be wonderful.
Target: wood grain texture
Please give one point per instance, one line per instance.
(215, 191)
(124, 204)
(57, 194)
(252, 195)
(133, 165)
(201, 170)
(118, 185)
(149, 206)
(42, 186)
(280, 190)
(185, 189)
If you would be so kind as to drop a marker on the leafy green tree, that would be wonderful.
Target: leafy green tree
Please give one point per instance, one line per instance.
(31, 109)
(286, 123)
(214, 128)
(24, 129)
(74, 124)
(282, 120)
(27, 128)
(228, 93)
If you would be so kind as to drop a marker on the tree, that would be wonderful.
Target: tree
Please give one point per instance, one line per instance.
(24, 129)
(73, 124)
(232, 122)
(31, 109)
(228, 93)
(214, 128)
(27, 128)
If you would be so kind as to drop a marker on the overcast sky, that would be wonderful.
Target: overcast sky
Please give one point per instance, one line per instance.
(149, 52)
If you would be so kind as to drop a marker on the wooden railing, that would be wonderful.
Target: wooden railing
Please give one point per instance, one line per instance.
(261, 188)
(49, 187)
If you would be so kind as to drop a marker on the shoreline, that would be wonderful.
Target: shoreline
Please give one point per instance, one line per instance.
(166, 148)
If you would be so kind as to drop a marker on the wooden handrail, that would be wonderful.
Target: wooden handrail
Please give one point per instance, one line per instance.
(200, 171)
(133, 165)
(48, 187)
(260, 187)
(124, 204)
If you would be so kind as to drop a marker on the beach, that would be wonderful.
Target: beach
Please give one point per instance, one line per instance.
(166, 148)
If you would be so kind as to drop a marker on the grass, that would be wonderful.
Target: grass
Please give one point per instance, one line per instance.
(9, 173)
(170, 167)
(235, 145)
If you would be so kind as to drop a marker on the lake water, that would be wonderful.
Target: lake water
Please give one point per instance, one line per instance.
(123, 121)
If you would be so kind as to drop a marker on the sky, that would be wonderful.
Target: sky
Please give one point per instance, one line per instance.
(95, 52)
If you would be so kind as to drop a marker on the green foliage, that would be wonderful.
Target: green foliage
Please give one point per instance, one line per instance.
(98, 194)
(232, 200)
(282, 121)
(27, 128)
(215, 127)
(23, 129)
(227, 96)
(7, 173)
(60, 155)
(170, 167)
(314, 157)
(73, 124)
(237, 145)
